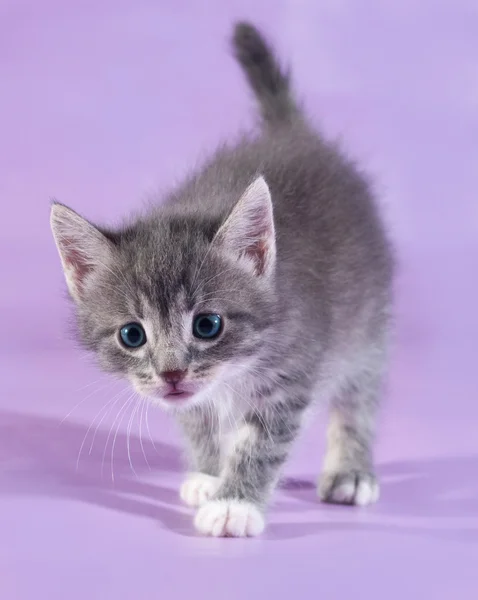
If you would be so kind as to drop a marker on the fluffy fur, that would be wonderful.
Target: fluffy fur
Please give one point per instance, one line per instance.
(279, 234)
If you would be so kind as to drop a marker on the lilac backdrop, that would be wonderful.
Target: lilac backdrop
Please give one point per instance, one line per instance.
(104, 101)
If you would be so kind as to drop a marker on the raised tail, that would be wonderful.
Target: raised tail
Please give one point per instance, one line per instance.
(270, 83)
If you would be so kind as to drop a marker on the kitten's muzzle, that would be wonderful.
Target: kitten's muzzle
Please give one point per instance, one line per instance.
(173, 389)
(176, 387)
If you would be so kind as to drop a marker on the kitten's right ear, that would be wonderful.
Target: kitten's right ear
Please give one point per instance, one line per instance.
(81, 246)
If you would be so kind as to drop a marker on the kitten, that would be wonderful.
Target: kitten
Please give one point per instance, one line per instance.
(261, 286)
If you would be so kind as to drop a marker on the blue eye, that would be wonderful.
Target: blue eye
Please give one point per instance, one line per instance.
(207, 327)
(133, 335)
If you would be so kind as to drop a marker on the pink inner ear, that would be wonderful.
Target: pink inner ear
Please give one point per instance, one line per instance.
(258, 253)
(79, 266)
(258, 250)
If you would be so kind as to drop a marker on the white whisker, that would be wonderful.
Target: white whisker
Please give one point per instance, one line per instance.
(111, 431)
(141, 416)
(86, 435)
(148, 429)
(128, 433)
(84, 400)
(111, 405)
(130, 399)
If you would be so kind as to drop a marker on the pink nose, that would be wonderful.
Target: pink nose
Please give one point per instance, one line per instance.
(173, 377)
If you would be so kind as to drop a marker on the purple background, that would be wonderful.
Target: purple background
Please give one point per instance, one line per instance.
(104, 101)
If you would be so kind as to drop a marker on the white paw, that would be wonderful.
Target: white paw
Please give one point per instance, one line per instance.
(198, 489)
(354, 487)
(229, 518)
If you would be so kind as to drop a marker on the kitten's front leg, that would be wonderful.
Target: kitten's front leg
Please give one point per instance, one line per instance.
(251, 472)
(202, 481)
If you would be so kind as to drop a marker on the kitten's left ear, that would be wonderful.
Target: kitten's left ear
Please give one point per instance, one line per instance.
(249, 230)
(82, 248)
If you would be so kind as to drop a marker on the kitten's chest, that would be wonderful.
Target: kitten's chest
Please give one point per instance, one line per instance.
(230, 406)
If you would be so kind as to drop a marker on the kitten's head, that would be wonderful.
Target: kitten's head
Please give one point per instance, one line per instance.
(175, 304)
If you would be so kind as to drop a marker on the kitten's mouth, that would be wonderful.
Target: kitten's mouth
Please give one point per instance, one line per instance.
(179, 392)
(174, 394)
(178, 395)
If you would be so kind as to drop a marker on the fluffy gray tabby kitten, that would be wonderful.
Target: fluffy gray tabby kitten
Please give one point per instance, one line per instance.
(259, 287)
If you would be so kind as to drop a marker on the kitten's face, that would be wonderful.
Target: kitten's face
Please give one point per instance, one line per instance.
(170, 330)
(173, 307)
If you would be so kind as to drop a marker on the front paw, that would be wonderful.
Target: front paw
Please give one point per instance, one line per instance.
(348, 487)
(198, 489)
(229, 518)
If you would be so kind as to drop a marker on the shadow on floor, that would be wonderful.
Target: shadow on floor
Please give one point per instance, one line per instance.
(38, 455)
(441, 488)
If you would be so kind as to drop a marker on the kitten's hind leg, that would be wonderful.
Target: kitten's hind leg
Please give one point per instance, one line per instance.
(348, 474)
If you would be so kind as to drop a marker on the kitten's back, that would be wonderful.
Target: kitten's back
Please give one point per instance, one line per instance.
(330, 239)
